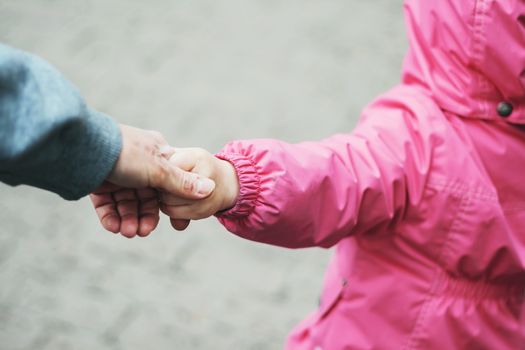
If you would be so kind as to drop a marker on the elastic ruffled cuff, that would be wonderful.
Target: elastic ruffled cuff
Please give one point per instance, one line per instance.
(249, 185)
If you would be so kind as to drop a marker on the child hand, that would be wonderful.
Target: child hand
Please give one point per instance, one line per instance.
(199, 161)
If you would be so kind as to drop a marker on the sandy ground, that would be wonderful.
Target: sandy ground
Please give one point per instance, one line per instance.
(202, 72)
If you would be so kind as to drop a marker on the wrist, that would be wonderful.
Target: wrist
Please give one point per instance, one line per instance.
(230, 184)
(248, 182)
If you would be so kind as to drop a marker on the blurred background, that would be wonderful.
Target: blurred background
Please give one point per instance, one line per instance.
(202, 72)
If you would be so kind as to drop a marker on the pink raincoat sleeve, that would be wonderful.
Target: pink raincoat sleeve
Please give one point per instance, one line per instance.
(316, 193)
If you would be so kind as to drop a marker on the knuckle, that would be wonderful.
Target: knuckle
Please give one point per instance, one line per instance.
(187, 182)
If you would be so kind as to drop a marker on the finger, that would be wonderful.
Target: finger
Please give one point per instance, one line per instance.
(170, 199)
(127, 207)
(167, 151)
(175, 212)
(106, 211)
(184, 158)
(183, 183)
(148, 221)
(179, 224)
(148, 211)
(186, 212)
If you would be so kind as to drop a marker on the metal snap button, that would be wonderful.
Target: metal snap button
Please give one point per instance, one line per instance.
(504, 109)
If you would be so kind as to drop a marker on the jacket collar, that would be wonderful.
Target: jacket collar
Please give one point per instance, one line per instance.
(470, 55)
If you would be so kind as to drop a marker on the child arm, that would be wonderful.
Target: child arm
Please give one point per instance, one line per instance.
(317, 193)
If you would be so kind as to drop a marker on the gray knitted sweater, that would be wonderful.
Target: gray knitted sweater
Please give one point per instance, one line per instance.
(48, 137)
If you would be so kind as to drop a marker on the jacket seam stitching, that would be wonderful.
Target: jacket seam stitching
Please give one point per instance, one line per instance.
(461, 188)
(439, 273)
(479, 23)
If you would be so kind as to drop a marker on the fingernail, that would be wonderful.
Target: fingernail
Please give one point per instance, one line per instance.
(204, 186)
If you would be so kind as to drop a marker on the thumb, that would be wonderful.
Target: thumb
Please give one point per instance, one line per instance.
(184, 184)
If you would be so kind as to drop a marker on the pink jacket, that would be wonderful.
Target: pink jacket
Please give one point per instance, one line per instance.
(425, 199)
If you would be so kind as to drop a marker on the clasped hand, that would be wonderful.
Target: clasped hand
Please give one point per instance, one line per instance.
(150, 176)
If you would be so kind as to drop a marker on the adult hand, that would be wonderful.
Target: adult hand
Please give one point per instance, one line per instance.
(128, 201)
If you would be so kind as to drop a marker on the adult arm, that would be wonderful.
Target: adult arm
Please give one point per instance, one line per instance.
(49, 138)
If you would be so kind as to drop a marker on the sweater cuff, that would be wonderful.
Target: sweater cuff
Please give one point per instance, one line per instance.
(249, 186)
(92, 159)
